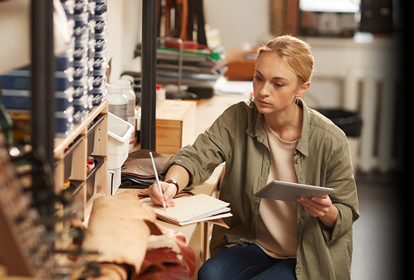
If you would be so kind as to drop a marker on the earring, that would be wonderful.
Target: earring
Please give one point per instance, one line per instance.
(297, 100)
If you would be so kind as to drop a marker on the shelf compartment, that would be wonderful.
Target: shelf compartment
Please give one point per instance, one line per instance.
(92, 131)
(78, 194)
(91, 183)
(67, 160)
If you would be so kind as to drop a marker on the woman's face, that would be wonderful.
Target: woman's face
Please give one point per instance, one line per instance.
(275, 85)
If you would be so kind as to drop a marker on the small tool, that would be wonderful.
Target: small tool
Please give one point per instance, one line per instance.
(158, 181)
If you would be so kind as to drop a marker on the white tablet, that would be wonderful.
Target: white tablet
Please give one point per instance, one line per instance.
(288, 191)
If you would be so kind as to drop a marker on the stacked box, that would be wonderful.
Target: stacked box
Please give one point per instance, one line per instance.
(16, 94)
(80, 71)
(81, 60)
(100, 65)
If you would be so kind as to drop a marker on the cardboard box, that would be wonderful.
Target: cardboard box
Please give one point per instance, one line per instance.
(175, 120)
(242, 70)
(241, 62)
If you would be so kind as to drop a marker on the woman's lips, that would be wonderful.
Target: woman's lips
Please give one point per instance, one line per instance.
(263, 102)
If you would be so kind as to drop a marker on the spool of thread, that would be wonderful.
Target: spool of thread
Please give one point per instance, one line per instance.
(66, 184)
(90, 164)
(160, 92)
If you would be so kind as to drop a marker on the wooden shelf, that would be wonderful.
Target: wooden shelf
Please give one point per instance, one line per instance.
(71, 153)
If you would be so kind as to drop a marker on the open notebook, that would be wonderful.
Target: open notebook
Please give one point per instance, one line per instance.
(191, 209)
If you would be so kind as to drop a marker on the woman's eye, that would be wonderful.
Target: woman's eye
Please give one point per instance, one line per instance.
(258, 78)
(279, 85)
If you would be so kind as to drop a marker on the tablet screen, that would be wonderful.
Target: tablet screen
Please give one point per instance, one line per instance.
(288, 191)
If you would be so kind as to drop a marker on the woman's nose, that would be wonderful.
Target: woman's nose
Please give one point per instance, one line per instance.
(264, 89)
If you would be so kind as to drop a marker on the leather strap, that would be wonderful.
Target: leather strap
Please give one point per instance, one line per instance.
(201, 33)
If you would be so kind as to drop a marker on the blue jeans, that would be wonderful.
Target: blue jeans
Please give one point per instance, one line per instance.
(249, 262)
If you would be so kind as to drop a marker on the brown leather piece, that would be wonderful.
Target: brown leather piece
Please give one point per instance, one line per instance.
(117, 228)
(162, 263)
(186, 251)
(139, 164)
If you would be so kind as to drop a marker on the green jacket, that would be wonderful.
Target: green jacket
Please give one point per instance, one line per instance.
(321, 158)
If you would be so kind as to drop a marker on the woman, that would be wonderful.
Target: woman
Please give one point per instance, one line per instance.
(275, 137)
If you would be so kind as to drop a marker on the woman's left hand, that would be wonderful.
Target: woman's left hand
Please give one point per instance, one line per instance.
(322, 208)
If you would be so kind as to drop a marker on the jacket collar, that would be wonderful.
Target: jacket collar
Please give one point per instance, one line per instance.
(257, 129)
(303, 142)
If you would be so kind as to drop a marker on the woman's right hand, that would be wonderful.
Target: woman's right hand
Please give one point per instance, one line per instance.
(168, 190)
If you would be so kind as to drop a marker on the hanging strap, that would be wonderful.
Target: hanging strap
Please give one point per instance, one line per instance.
(201, 33)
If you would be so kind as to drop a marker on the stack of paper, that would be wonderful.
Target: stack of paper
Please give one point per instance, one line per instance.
(200, 69)
(191, 209)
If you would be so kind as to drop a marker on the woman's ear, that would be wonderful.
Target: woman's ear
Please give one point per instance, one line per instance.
(302, 89)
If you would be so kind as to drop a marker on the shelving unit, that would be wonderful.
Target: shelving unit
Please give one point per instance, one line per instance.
(91, 139)
(65, 158)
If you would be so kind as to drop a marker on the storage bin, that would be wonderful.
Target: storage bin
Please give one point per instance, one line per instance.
(91, 133)
(64, 99)
(80, 8)
(100, 9)
(79, 91)
(90, 180)
(80, 53)
(100, 54)
(80, 72)
(68, 157)
(101, 18)
(99, 72)
(64, 123)
(100, 44)
(99, 90)
(81, 20)
(99, 81)
(78, 195)
(100, 27)
(20, 79)
(81, 63)
(80, 117)
(350, 122)
(100, 63)
(64, 61)
(80, 104)
(101, 36)
(20, 99)
(97, 99)
(119, 132)
(82, 82)
(82, 41)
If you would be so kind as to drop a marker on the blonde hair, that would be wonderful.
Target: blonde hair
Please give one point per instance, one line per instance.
(295, 52)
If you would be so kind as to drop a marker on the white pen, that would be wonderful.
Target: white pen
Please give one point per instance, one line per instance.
(158, 181)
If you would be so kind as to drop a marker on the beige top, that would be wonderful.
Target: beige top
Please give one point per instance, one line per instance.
(276, 225)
